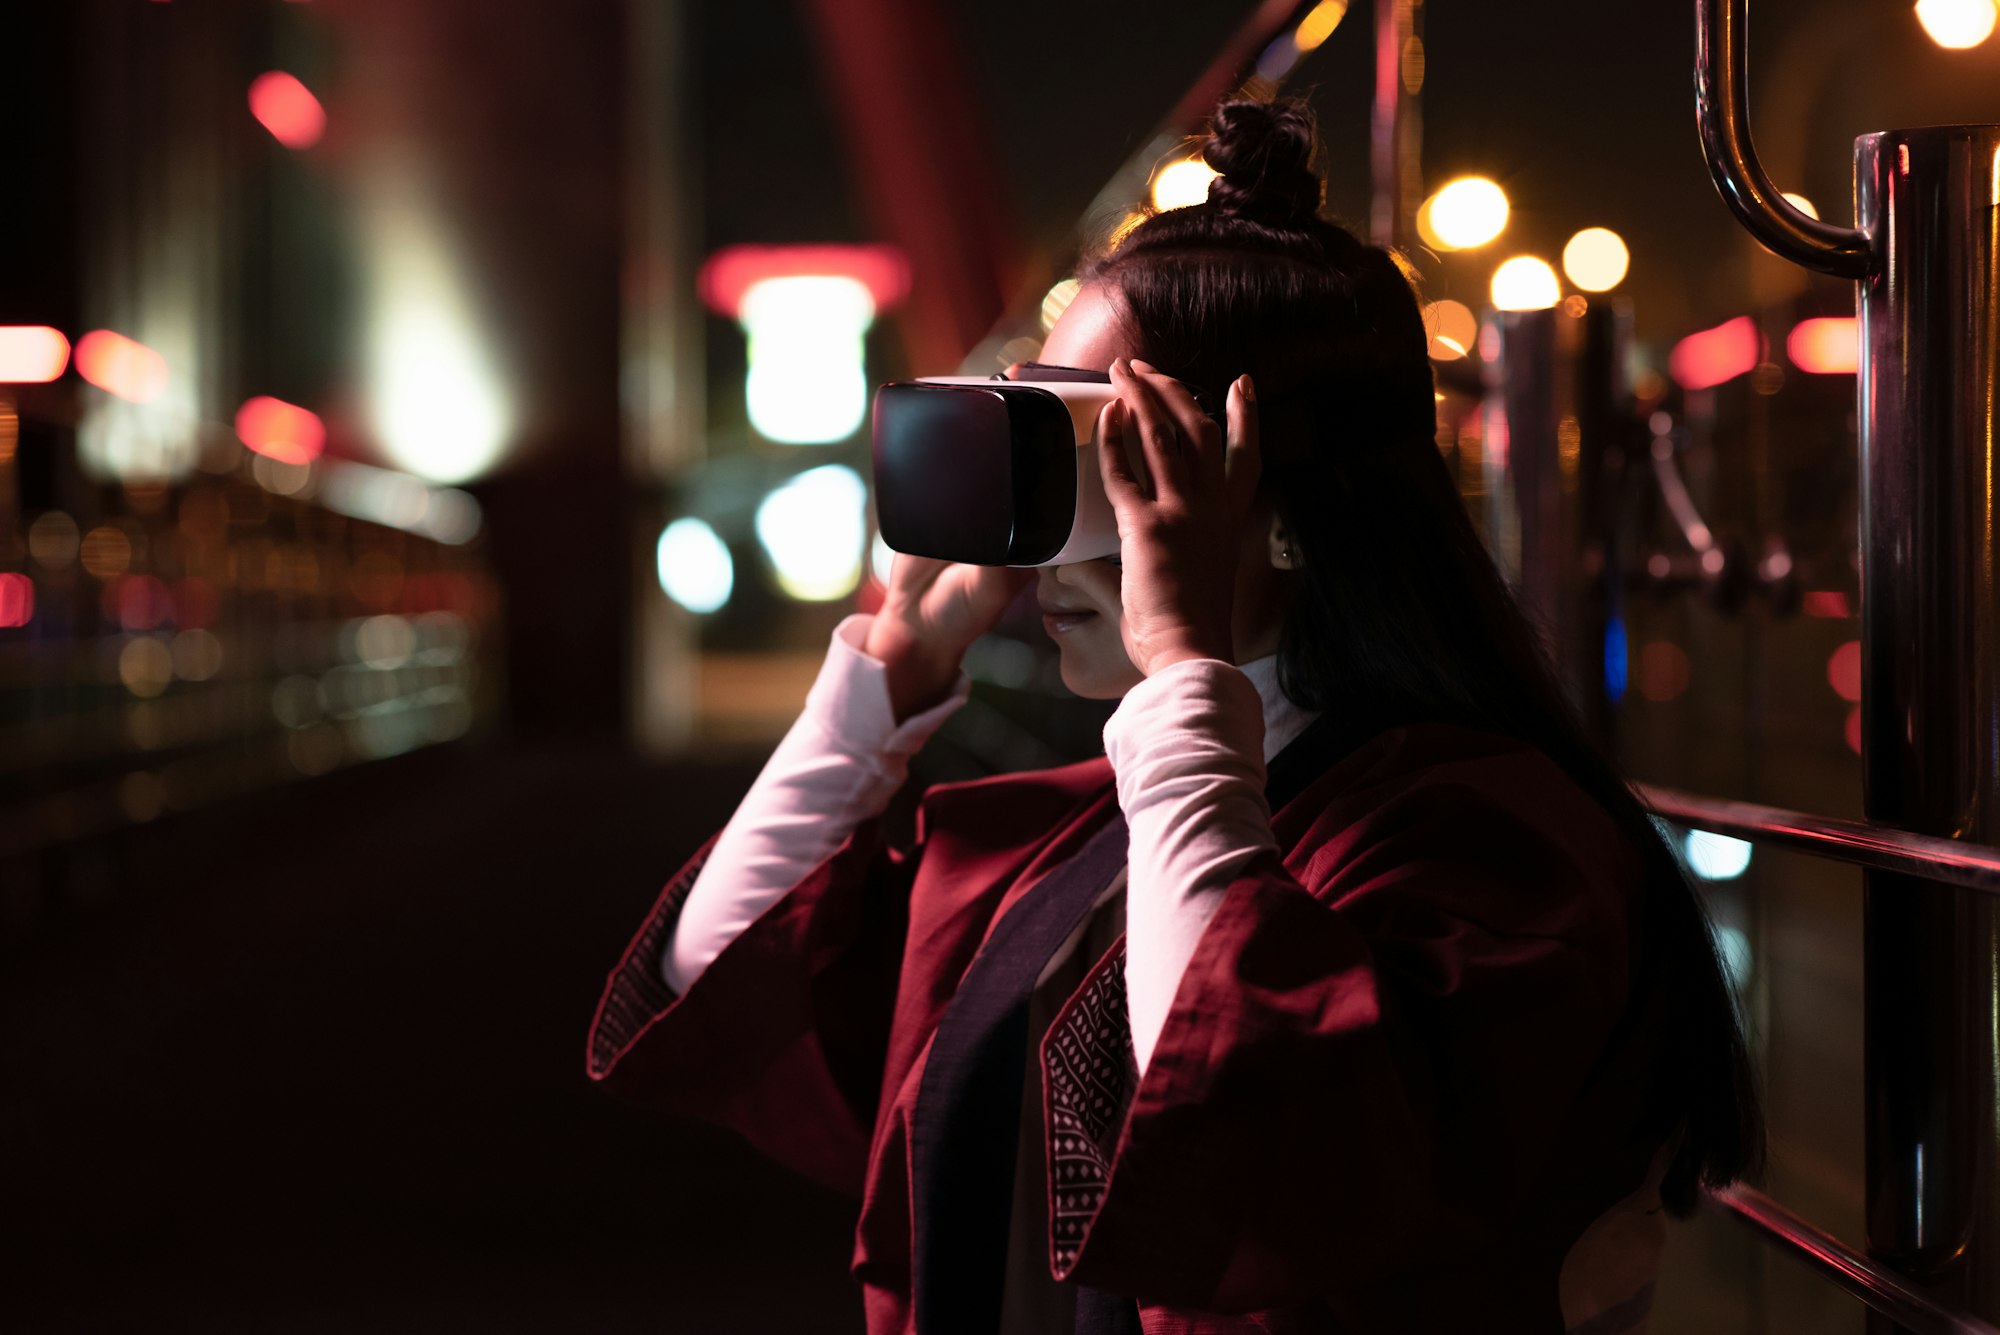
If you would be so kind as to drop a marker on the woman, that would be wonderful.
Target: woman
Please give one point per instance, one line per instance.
(1413, 1023)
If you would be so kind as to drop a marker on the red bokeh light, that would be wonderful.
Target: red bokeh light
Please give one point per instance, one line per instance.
(1843, 670)
(287, 108)
(122, 366)
(284, 431)
(138, 602)
(1709, 358)
(730, 272)
(31, 354)
(1854, 730)
(17, 599)
(1826, 603)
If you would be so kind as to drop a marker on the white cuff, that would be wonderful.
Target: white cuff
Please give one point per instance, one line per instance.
(849, 700)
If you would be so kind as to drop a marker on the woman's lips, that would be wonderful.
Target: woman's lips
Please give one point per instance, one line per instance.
(1058, 622)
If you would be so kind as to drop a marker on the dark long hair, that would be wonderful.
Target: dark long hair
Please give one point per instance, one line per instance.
(1400, 602)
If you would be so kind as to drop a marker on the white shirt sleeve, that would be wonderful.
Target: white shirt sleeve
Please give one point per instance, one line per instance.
(838, 766)
(1187, 745)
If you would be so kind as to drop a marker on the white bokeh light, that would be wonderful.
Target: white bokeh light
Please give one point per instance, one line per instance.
(694, 566)
(1525, 283)
(434, 393)
(807, 384)
(1715, 857)
(1596, 259)
(814, 529)
(1181, 184)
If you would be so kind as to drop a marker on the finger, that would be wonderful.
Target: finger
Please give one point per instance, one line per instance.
(1196, 427)
(1158, 435)
(1014, 370)
(1121, 484)
(1243, 461)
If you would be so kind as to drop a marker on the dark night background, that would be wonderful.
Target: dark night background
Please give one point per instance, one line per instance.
(309, 1057)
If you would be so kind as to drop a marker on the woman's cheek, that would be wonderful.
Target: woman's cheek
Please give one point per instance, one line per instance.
(1102, 581)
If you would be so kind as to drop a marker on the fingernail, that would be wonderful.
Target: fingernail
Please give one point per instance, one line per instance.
(1119, 366)
(1249, 390)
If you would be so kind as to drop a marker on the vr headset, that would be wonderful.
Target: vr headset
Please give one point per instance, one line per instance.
(995, 472)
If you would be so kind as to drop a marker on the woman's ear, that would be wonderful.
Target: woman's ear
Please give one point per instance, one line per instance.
(1284, 552)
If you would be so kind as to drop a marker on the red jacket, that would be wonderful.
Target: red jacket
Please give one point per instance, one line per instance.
(1403, 1072)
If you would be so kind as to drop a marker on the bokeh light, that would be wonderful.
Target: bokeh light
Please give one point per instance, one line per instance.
(1957, 24)
(881, 560)
(1319, 23)
(17, 599)
(287, 108)
(1525, 283)
(197, 654)
(32, 354)
(146, 666)
(53, 540)
(122, 366)
(1183, 183)
(106, 551)
(438, 405)
(1464, 214)
(1452, 327)
(1843, 670)
(1057, 301)
(1827, 345)
(694, 565)
(1802, 204)
(1596, 259)
(284, 431)
(1711, 357)
(1715, 857)
(807, 382)
(814, 530)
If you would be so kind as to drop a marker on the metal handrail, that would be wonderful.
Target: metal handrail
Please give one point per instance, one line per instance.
(1880, 1288)
(1879, 847)
(1722, 111)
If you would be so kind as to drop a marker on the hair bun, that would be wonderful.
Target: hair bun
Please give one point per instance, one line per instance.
(1264, 151)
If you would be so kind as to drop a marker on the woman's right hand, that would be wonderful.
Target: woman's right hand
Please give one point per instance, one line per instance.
(932, 613)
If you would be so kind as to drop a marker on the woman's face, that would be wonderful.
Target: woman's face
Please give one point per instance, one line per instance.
(1081, 604)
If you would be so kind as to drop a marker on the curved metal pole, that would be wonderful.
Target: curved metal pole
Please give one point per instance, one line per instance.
(1722, 112)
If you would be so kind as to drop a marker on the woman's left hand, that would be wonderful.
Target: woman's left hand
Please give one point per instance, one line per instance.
(1182, 492)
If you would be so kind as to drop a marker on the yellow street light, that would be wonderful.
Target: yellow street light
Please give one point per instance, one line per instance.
(1957, 24)
(1525, 283)
(1182, 183)
(1317, 26)
(1596, 259)
(1467, 212)
(1452, 327)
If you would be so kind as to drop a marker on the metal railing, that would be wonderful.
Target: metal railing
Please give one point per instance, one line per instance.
(1880, 848)
(1863, 843)
(1925, 258)
(1883, 1290)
